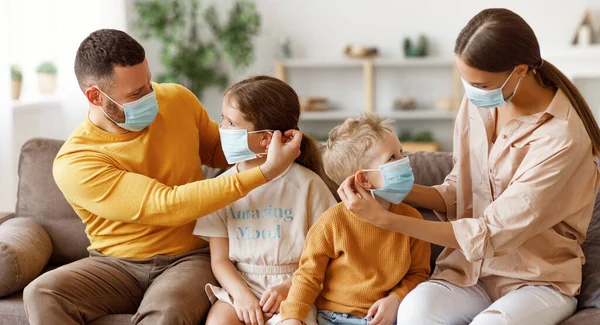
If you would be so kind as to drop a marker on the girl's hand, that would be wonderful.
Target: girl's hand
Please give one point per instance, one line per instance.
(247, 309)
(273, 296)
(384, 311)
(360, 202)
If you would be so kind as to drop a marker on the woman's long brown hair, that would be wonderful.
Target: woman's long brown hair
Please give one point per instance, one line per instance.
(497, 40)
(271, 104)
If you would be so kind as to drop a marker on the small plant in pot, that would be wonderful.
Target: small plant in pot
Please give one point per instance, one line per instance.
(17, 80)
(47, 77)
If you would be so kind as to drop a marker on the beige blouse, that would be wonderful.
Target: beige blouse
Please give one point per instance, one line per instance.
(519, 207)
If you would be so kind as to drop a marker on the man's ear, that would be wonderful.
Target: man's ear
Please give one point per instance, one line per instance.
(361, 178)
(265, 140)
(94, 96)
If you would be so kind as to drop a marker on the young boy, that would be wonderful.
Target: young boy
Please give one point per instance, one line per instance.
(355, 272)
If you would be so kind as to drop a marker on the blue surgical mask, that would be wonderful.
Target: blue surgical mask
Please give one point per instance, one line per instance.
(138, 114)
(486, 98)
(235, 145)
(398, 180)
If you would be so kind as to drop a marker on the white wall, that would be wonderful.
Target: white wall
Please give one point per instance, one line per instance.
(321, 28)
(6, 150)
(46, 30)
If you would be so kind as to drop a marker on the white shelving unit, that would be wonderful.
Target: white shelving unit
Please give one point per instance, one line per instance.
(417, 114)
(371, 85)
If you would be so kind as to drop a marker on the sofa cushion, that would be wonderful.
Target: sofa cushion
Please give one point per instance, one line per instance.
(25, 248)
(12, 311)
(40, 199)
(430, 168)
(584, 317)
(590, 287)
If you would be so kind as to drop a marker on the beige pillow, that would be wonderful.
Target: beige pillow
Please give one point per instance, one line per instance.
(25, 248)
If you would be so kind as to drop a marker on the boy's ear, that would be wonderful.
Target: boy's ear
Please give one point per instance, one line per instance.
(361, 178)
(265, 140)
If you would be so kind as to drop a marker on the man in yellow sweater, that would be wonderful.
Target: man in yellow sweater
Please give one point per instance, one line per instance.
(132, 172)
(355, 272)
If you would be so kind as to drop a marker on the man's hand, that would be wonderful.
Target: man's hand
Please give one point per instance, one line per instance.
(273, 296)
(360, 202)
(281, 154)
(384, 311)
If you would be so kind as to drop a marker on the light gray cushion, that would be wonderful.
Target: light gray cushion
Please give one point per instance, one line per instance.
(25, 249)
(584, 317)
(40, 199)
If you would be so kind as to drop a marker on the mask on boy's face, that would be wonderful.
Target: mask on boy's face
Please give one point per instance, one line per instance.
(235, 145)
(398, 180)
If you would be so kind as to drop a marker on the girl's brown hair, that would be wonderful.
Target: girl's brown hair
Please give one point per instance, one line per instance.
(497, 40)
(271, 104)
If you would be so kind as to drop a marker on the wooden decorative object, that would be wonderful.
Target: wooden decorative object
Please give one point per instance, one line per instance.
(588, 29)
(358, 52)
(420, 146)
(314, 104)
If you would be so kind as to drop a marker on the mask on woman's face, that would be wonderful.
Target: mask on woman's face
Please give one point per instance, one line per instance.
(398, 180)
(489, 98)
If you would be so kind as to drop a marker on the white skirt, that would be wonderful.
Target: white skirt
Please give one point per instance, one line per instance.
(258, 278)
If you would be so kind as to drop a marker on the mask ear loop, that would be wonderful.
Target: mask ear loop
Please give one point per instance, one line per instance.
(369, 170)
(112, 100)
(260, 155)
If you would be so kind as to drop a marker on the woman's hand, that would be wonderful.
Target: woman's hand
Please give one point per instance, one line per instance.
(248, 309)
(360, 202)
(384, 311)
(273, 296)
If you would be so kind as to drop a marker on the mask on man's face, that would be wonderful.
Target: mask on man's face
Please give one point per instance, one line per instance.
(138, 114)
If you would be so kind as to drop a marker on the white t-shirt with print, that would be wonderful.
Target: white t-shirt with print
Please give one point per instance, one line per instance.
(268, 227)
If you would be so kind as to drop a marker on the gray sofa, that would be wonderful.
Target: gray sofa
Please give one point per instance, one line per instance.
(40, 200)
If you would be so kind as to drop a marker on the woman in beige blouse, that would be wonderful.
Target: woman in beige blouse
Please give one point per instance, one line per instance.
(518, 202)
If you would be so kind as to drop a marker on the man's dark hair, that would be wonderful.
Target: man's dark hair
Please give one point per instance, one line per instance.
(101, 51)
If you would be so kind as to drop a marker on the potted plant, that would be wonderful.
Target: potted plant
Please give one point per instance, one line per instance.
(17, 80)
(47, 77)
(421, 142)
(196, 43)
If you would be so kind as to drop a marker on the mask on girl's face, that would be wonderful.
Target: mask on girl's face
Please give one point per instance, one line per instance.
(235, 145)
(489, 98)
(138, 114)
(398, 180)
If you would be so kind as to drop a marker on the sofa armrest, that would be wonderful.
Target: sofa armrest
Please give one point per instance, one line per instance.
(584, 316)
(5, 216)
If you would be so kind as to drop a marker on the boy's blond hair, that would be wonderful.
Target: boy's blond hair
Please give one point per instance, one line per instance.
(347, 149)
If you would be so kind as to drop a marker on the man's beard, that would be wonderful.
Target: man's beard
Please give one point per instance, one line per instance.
(115, 112)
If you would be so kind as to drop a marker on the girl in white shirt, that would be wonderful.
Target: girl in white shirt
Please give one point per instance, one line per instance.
(256, 242)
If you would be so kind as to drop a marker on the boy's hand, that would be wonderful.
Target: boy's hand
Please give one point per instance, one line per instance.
(273, 296)
(360, 202)
(281, 154)
(291, 322)
(384, 311)
(247, 309)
